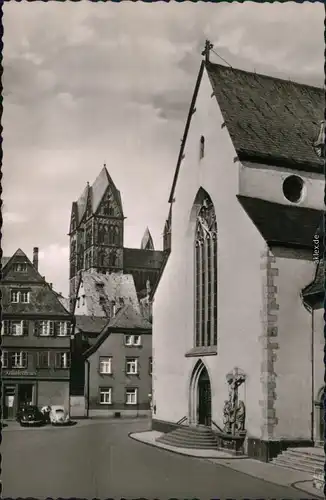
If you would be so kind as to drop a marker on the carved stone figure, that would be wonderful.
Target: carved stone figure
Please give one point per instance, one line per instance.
(234, 410)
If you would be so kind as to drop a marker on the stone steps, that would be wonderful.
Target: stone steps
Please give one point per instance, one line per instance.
(199, 438)
(301, 459)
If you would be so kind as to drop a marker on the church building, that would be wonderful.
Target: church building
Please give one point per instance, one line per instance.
(238, 310)
(97, 239)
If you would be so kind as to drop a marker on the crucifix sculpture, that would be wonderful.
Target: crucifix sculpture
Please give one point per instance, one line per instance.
(234, 410)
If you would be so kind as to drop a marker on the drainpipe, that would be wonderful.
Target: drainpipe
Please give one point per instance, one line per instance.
(312, 360)
(87, 390)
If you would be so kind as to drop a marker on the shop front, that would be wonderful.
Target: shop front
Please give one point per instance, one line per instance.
(30, 388)
(17, 389)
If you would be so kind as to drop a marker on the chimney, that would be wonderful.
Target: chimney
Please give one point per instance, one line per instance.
(35, 258)
(51, 285)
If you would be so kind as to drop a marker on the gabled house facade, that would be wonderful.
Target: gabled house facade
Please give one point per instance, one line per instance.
(246, 202)
(99, 298)
(35, 338)
(118, 374)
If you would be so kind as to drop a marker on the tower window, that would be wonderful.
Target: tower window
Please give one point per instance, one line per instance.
(293, 188)
(202, 147)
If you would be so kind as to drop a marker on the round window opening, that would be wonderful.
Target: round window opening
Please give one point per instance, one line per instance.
(293, 188)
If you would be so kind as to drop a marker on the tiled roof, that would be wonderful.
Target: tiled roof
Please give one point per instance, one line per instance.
(4, 261)
(129, 319)
(101, 289)
(96, 191)
(64, 301)
(147, 241)
(283, 225)
(89, 324)
(269, 118)
(81, 203)
(136, 258)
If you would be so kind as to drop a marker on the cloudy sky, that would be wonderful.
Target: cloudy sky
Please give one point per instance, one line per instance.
(87, 83)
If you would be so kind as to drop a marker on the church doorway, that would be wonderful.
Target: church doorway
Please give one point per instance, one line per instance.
(204, 399)
(200, 396)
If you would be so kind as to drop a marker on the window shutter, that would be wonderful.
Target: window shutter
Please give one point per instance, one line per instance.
(57, 360)
(68, 359)
(36, 328)
(25, 327)
(4, 359)
(56, 328)
(5, 327)
(24, 359)
(51, 328)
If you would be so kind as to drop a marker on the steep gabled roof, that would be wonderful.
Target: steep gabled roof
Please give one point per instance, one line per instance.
(43, 299)
(95, 193)
(260, 111)
(147, 241)
(100, 185)
(31, 275)
(127, 319)
(4, 261)
(283, 225)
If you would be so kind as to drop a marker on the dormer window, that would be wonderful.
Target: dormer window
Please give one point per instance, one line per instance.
(19, 296)
(202, 147)
(20, 267)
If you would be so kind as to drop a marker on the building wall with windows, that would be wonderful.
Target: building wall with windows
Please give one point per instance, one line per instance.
(118, 375)
(247, 232)
(175, 351)
(35, 338)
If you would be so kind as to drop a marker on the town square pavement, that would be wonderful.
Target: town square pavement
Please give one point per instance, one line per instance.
(98, 459)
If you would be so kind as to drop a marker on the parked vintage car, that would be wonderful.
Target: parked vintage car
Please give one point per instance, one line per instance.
(59, 416)
(30, 415)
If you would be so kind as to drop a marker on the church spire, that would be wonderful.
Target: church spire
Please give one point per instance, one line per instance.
(147, 241)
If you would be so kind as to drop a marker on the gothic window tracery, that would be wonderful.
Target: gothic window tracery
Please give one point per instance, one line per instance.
(101, 259)
(116, 235)
(113, 258)
(100, 233)
(111, 235)
(88, 237)
(206, 276)
(106, 238)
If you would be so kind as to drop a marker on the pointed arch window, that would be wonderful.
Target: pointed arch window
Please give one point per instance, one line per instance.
(206, 276)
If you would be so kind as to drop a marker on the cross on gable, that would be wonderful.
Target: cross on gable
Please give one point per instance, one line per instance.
(206, 51)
